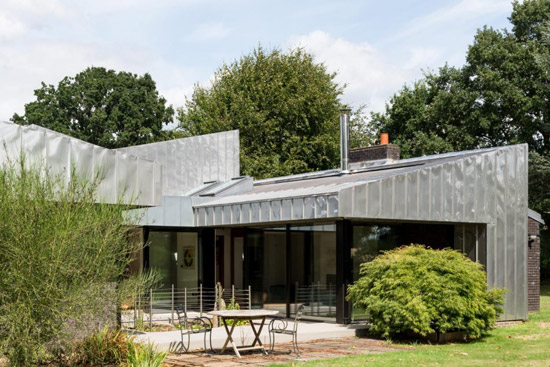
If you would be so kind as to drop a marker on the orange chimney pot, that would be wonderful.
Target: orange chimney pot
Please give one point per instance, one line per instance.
(384, 139)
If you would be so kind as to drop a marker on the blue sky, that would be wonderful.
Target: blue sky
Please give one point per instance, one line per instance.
(375, 46)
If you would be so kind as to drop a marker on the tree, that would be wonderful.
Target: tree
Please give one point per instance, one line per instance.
(102, 107)
(430, 117)
(284, 104)
(500, 96)
(60, 255)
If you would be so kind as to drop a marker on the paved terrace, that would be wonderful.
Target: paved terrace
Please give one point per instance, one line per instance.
(307, 330)
(310, 350)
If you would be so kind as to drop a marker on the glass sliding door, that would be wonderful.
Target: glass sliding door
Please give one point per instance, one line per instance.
(253, 266)
(274, 284)
(163, 256)
(313, 270)
(174, 256)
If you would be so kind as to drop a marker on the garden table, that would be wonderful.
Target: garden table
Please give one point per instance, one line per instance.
(247, 315)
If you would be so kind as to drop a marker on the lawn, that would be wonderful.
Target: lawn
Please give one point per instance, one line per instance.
(527, 344)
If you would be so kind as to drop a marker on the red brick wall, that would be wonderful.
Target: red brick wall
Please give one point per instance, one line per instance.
(533, 268)
(375, 152)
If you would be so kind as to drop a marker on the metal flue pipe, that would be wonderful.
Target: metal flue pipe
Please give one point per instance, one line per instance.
(344, 139)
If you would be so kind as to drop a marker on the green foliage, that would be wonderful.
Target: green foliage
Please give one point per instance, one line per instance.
(499, 97)
(285, 105)
(102, 107)
(60, 256)
(539, 200)
(421, 290)
(232, 305)
(114, 348)
(103, 348)
(140, 355)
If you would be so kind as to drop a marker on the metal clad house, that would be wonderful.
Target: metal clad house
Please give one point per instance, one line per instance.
(300, 239)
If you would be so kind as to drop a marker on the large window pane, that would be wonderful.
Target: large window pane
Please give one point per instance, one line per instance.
(313, 270)
(163, 256)
(174, 256)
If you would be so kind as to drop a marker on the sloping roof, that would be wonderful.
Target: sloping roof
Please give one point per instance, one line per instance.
(405, 189)
(535, 216)
(188, 162)
(125, 176)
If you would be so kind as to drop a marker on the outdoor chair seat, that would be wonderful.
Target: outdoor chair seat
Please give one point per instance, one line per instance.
(189, 326)
(280, 326)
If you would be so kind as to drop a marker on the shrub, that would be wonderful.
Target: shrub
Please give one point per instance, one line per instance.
(416, 289)
(107, 347)
(140, 355)
(60, 252)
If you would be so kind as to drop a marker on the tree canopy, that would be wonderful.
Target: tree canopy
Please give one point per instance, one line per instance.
(500, 96)
(104, 107)
(285, 106)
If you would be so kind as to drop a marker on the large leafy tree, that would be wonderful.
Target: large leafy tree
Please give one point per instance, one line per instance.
(285, 106)
(499, 97)
(104, 107)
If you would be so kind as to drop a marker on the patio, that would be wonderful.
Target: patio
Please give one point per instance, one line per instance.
(310, 350)
(307, 331)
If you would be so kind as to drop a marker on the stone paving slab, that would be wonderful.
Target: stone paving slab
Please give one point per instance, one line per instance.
(310, 350)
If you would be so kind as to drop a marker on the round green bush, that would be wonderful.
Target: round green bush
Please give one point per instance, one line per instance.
(420, 290)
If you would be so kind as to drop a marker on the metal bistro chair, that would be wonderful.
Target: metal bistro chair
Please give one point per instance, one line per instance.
(280, 326)
(188, 326)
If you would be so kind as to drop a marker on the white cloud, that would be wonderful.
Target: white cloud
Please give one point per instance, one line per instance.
(420, 57)
(10, 27)
(37, 7)
(24, 66)
(371, 78)
(208, 32)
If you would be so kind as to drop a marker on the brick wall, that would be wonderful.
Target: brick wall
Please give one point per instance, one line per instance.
(533, 268)
(375, 152)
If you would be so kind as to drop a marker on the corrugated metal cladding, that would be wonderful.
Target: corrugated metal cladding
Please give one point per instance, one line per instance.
(488, 187)
(125, 176)
(189, 162)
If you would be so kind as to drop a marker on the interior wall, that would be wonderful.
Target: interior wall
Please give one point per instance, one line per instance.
(324, 268)
(226, 282)
(274, 266)
(238, 248)
(187, 263)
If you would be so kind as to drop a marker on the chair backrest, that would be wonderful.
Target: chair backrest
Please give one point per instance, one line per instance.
(298, 316)
(182, 316)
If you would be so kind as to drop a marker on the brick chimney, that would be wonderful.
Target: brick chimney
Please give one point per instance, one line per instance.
(383, 152)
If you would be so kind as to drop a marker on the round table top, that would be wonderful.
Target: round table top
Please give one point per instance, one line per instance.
(243, 313)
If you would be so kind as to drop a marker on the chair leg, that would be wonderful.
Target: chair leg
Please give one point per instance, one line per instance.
(211, 349)
(184, 348)
(188, 343)
(271, 343)
(295, 342)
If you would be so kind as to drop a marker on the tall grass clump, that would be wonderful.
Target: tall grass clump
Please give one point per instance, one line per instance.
(144, 355)
(59, 252)
(106, 347)
(420, 290)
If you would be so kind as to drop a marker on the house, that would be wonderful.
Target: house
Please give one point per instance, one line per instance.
(301, 238)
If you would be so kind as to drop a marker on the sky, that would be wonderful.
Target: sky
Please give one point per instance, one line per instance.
(374, 46)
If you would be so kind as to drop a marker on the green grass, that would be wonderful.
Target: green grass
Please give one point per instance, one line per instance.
(527, 344)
